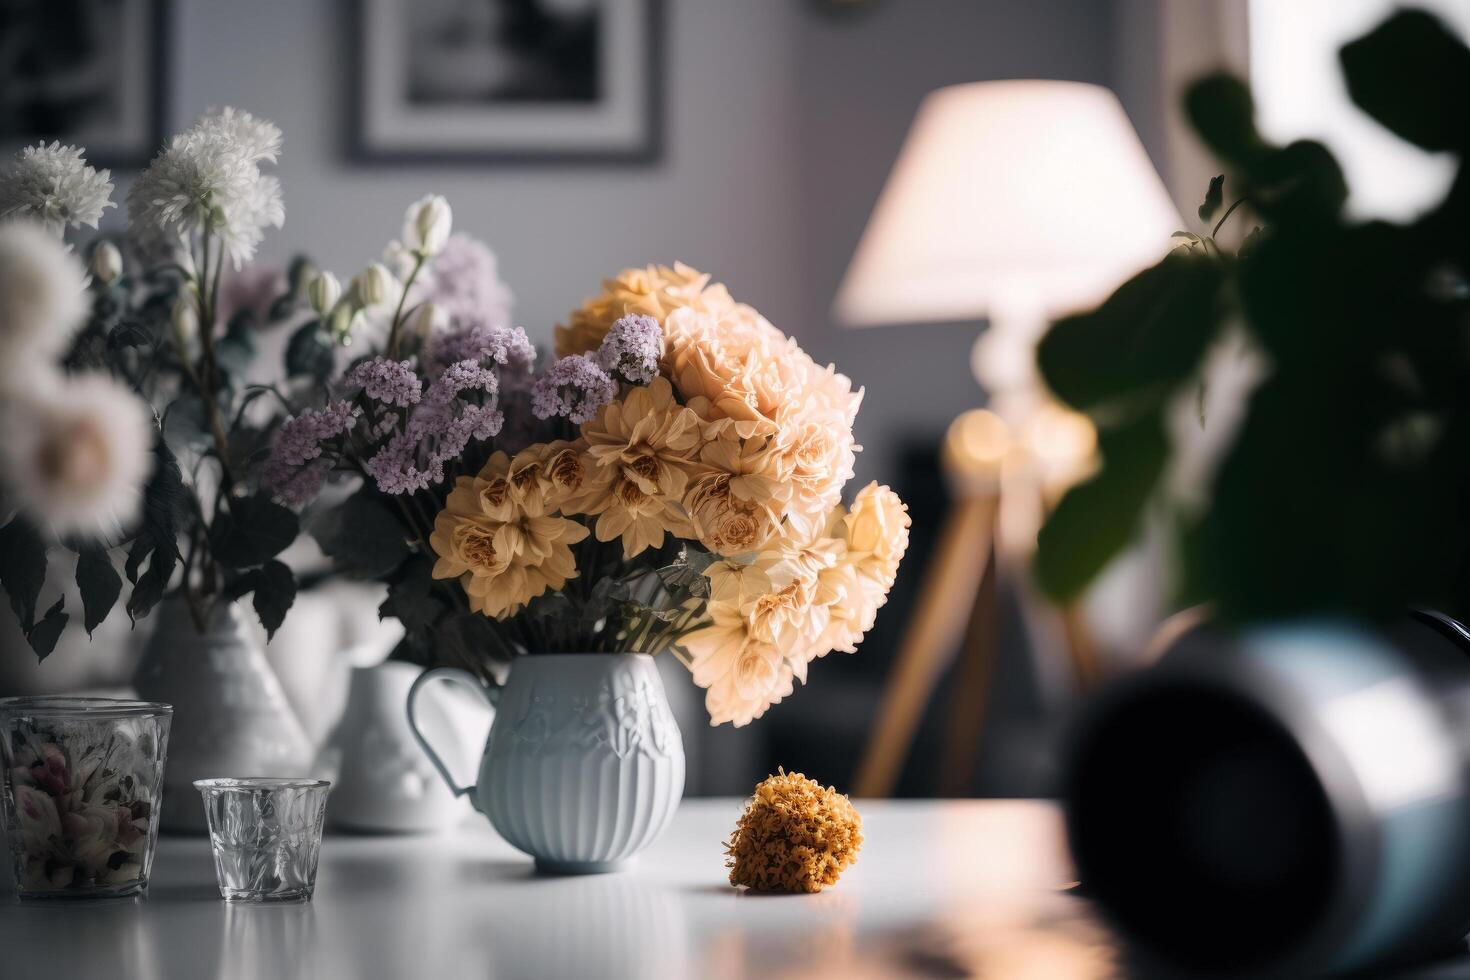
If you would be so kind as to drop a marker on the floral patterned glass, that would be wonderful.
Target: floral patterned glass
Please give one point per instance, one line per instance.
(266, 835)
(83, 781)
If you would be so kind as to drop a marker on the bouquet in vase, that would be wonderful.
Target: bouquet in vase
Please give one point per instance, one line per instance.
(671, 480)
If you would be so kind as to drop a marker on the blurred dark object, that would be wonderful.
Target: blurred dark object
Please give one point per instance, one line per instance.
(1289, 799)
(1344, 488)
(512, 81)
(86, 72)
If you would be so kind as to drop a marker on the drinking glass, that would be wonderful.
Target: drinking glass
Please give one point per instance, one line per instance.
(266, 834)
(83, 778)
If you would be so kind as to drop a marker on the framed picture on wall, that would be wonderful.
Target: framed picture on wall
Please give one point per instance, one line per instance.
(85, 72)
(508, 80)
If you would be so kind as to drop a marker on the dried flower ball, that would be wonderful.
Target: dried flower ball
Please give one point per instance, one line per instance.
(795, 835)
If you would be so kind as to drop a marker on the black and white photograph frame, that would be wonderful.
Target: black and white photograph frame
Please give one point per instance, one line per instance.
(99, 83)
(508, 81)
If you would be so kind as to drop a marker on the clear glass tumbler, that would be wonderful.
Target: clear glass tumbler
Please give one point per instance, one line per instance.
(82, 784)
(266, 834)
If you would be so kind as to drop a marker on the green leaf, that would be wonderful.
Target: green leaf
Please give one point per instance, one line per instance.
(1411, 75)
(185, 425)
(128, 333)
(309, 352)
(412, 599)
(236, 348)
(99, 584)
(164, 501)
(1096, 519)
(275, 592)
(43, 635)
(22, 567)
(1213, 198)
(1145, 340)
(362, 536)
(1222, 112)
(252, 531)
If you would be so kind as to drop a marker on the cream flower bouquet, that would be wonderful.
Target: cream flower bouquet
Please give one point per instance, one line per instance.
(671, 481)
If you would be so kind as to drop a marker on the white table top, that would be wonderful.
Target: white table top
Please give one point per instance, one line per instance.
(940, 888)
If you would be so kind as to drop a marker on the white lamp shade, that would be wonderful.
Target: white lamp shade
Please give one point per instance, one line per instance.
(1035, 194)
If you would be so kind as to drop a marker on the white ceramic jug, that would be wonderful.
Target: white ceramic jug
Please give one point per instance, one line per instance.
(584, 765)
(383, 782)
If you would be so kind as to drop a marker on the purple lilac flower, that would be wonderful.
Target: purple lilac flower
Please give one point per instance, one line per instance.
(632, 348)
(439, 429)
(464, 281)
(507, 347)
(390, 382)
(296, 470)
(576, 386)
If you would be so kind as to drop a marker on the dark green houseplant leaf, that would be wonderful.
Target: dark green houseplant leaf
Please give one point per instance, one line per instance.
(1411, 74)
(1145, 340)
(252, 531)
(1096, 519)
(99, 584)
(361, 535)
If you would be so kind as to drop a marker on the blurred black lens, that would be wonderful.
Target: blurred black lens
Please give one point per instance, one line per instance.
(1196, 820)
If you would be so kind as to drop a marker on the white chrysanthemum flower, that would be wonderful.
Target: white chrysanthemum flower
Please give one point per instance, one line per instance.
(76, 452)
(208, 179)
(258, 139)
(43, 298)
(52, 184)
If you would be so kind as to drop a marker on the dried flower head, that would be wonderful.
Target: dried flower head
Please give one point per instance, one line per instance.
(632, 349)
(574, 387)
(297, 469)
(795, 835)
(52, 184)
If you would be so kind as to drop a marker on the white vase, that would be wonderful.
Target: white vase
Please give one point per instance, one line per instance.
(584, 766)
(231, 717)
(384, 781)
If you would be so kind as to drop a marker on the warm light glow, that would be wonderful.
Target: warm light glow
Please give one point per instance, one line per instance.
(977, 443)
(1061, 438)
(1008, 189)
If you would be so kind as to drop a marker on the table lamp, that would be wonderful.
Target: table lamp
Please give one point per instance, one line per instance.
(1011, 201)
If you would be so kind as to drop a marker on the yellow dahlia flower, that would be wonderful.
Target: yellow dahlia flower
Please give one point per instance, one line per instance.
(737, 496)
(498, 539)
(742, 677)
(641, 448)
(655, 290)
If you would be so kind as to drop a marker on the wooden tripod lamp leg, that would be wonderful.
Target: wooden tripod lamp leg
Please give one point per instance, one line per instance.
(946, 599)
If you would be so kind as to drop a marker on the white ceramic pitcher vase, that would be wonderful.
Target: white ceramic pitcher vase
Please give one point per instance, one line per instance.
(584, 765)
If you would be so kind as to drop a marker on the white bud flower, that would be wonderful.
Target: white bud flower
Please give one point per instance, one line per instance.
(323, 293)
(185, 315)
(107, 263)
(342, 319)
(428, 320)
(426, 226)
(377, 286)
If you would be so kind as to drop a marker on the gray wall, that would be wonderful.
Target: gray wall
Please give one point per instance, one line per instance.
(782, 122)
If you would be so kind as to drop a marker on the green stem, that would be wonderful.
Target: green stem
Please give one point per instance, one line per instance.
(397, 327)
(1226, 216)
